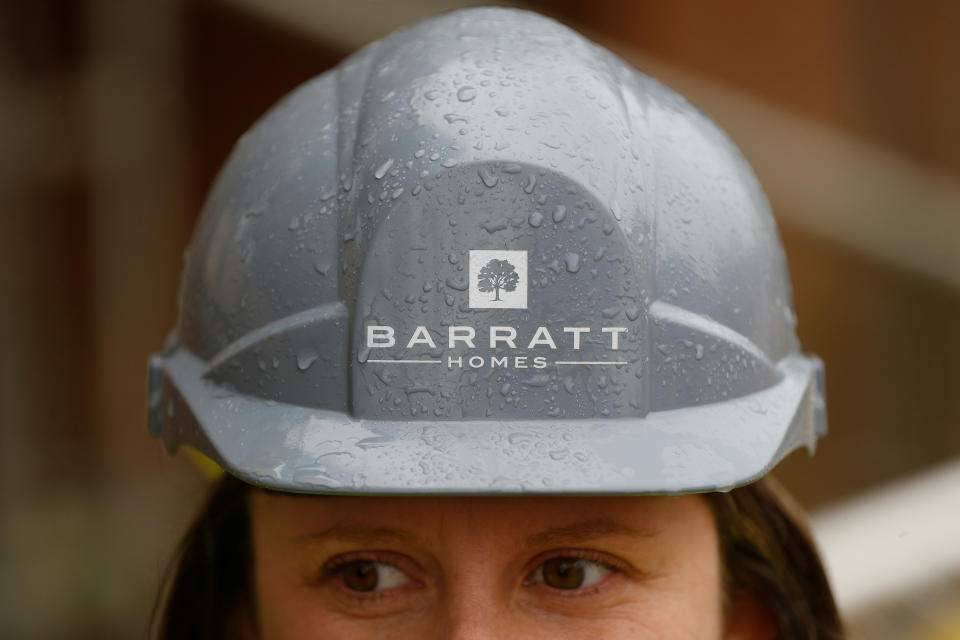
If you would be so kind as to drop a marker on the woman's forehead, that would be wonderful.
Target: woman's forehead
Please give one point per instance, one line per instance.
(530, 520)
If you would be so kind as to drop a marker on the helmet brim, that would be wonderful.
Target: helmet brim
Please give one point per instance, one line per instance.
(285, 447)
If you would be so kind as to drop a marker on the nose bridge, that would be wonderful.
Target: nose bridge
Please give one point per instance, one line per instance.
(474, 597)
(474, 609)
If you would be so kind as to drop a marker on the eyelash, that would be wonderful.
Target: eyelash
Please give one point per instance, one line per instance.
(337, 563)
(602, 559)
(330, 570)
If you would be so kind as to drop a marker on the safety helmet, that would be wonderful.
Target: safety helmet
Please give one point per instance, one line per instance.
(485, 255)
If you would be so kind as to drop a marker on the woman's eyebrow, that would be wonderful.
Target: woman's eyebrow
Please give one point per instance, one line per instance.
(586, 530)
(361, 533)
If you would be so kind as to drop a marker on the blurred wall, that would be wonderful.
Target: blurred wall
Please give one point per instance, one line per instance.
(114, 117)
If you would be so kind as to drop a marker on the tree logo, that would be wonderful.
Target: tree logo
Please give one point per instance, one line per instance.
(498, 279)
(496, 275)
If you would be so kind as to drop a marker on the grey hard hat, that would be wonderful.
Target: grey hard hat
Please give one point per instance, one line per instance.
(485, 255)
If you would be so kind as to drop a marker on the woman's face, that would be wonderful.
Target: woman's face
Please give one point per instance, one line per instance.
(490, 567)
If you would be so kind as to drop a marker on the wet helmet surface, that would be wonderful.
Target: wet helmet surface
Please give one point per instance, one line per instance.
(485, 255)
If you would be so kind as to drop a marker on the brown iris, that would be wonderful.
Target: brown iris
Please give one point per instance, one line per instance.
(563, 573)
(359, 575)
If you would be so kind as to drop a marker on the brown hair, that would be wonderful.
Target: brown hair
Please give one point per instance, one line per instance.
(767, 555)
(208, 584)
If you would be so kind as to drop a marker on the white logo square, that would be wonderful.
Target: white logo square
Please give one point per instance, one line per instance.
(498, 279)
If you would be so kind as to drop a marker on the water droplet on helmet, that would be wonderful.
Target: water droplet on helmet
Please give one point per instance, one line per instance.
(466, 94)
(493, 227)
(382, 169)
(315, 478)
(456, 283)
(518, 437)
(321, 266)
(530, 184)
(535, 219)
(488, 177)
(537, 380)
(306, 357)
(572, 262)
(559, 213)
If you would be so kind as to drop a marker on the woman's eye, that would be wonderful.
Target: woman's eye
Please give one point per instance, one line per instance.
(570, 573)
(369, 575)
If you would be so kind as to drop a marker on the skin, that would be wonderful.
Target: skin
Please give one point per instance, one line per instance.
(488, 567)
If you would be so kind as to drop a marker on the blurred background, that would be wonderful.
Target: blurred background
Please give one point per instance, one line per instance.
(116, 114)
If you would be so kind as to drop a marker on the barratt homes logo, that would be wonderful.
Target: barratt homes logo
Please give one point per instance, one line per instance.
(498, 279)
